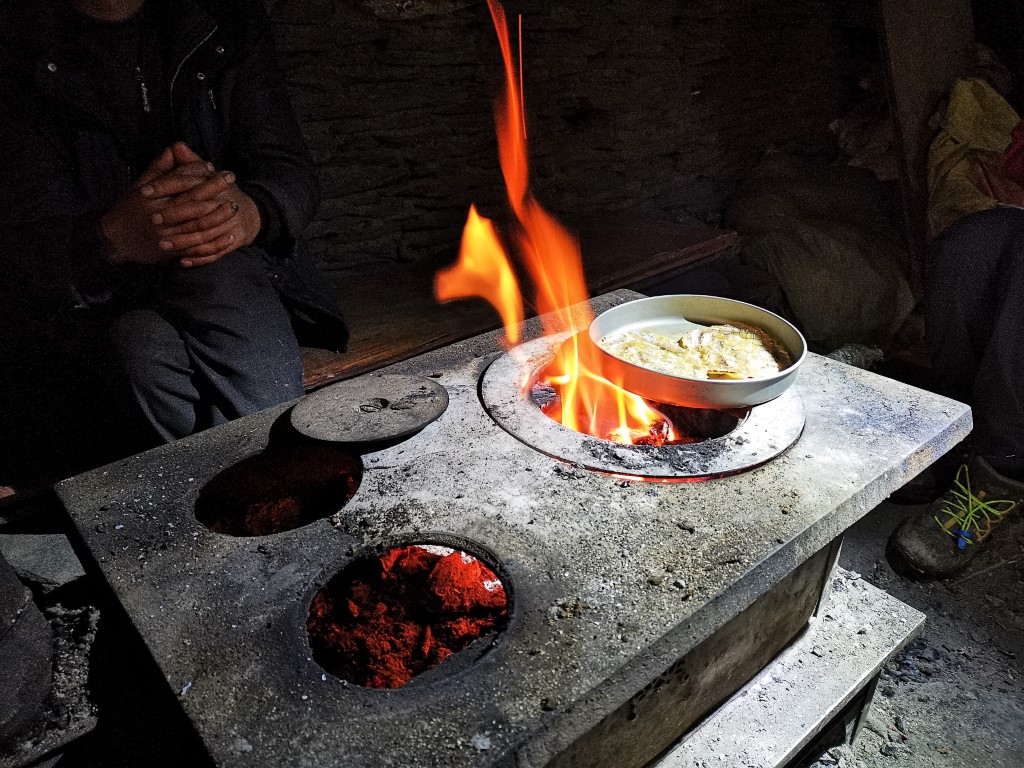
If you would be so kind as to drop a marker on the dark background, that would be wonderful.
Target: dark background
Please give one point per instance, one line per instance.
(657, 107)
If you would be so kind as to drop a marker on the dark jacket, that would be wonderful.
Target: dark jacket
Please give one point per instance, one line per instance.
(64, 163)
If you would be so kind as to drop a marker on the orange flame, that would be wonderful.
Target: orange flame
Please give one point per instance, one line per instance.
(483, 270)
(588, 402)
(550, 253)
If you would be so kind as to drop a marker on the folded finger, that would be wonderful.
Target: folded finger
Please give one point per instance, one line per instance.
(184, 243)
(162, 163)
(183, 153)
(211, 187)
(196, 168)
(200, 261)
(171, 184)
(177, 214)
(224, 243)
(221, 214)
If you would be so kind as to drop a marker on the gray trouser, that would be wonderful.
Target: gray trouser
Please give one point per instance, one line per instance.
(215, 345)
(975, 326)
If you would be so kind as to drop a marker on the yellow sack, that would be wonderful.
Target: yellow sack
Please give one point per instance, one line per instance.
(964, 157)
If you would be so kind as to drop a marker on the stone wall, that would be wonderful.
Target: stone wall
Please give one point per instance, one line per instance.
(657, 106)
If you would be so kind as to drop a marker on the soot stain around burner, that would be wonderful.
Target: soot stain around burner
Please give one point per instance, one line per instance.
(382, 621)
(280, 489)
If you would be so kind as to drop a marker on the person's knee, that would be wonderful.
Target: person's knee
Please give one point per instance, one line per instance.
(137, 340)
(980, 238)
(276, 377)
(155, 364)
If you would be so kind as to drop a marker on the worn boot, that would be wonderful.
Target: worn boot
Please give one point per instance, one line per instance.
(943, 539)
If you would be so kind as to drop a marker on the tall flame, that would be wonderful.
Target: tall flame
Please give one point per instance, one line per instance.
(549, 252)
(551, 256)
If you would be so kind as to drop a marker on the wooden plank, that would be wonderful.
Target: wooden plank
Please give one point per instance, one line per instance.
(394, 316)
(620, 251)
(927, 45)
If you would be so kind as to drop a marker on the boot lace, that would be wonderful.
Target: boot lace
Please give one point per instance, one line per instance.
(971, 516)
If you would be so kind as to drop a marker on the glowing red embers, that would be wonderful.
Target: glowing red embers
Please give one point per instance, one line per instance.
(280, 489)
(384, 620)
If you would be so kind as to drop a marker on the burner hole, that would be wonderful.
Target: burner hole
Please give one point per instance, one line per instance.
(387, 619)
(694, 425)
(279, 489)
(373, 405)
(682, 426)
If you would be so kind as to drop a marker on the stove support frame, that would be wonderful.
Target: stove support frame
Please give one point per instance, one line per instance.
(694, 686)
(816, 694)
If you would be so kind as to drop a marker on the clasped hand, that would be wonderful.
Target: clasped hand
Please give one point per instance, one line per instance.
(180, 208)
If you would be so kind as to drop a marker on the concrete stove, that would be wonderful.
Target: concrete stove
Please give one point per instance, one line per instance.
(629, 599)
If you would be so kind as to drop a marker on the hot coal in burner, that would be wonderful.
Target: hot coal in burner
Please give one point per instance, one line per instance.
(713, 443)
(679, 426)
(280, 489)
(384, 620)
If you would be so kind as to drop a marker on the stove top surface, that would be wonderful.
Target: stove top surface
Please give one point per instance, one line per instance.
(611, 580)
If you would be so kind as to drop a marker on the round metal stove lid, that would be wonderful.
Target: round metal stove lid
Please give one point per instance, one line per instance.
(370, 409)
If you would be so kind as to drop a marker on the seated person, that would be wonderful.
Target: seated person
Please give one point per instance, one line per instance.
(974, 305)
(155, 191)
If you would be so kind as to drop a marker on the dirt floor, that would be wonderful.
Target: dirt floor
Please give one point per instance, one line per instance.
(954, 697)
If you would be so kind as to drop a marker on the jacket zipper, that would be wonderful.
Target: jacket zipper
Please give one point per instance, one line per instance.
(143, 90)
(181, 63)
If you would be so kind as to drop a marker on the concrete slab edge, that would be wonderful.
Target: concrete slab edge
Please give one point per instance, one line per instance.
(793, 698)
